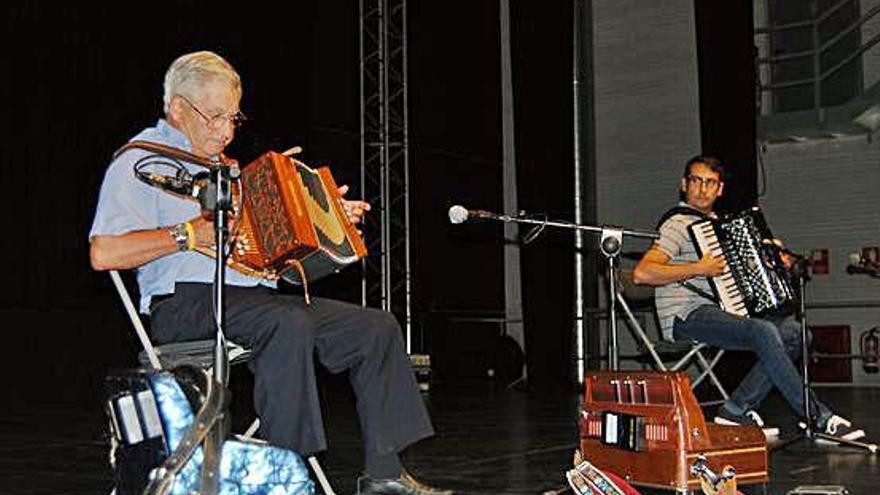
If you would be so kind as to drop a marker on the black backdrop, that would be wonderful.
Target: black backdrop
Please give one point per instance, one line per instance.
(79, 80)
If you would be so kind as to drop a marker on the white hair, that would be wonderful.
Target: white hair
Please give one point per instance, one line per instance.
(189, 73)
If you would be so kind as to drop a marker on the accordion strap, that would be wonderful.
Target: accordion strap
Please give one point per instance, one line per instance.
(302, 276)
(698, 291)
(690, 211)
(165, 150)
(681, 210)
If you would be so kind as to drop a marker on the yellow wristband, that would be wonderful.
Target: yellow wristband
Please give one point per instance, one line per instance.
(190, 236)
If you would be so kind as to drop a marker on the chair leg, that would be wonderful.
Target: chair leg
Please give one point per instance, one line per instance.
(686, 359)
(252, 429)
(708, 370)
(640, 332)
(319, 473)
(313, 462)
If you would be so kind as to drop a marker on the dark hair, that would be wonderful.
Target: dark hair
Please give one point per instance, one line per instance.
(710, 161)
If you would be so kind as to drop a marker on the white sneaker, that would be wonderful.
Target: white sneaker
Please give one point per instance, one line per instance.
(841, 428)
(837, 427)
(750, 418)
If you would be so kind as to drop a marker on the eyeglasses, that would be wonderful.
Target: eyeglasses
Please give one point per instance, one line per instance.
(708, 183)
(217, 121)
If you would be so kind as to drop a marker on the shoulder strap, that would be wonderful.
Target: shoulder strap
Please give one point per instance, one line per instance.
(165, 150)
(698, 291)
(687, 210)
(680, 210)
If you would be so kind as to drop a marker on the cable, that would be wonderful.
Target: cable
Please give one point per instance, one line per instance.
(533, 234)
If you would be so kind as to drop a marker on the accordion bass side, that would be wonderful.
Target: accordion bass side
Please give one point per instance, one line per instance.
(755, 282)
(292, 215)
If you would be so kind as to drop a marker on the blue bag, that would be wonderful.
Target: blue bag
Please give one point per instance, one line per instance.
(150, 415)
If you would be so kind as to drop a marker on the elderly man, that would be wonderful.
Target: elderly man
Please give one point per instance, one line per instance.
(137, 226)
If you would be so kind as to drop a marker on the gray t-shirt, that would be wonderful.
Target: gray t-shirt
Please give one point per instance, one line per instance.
(676, 300)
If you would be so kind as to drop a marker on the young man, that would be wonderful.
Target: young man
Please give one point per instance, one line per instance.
(685, 311)
(138, 226)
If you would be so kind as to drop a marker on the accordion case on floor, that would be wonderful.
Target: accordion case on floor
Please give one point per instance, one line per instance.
(648, 428)
(149, 416)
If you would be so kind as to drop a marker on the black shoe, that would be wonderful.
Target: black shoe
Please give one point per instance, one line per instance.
(404, 484)
(838, 427)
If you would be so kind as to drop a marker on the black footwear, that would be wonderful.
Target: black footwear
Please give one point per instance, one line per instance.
(750, 418)
(404, 484)
(841, 428)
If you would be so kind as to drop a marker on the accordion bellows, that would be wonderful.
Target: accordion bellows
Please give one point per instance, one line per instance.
(292, 214)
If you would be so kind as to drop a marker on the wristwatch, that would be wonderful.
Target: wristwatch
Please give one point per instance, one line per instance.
(180, 234)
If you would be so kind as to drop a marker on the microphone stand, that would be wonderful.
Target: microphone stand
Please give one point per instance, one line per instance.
(221, 180)
(217, 197)
(611, 244)
(210, 425)
(801, 272)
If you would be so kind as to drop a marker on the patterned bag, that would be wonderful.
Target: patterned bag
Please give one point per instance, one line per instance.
(151, 416)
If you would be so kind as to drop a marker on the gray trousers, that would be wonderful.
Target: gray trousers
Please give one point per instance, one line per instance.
(285, 336)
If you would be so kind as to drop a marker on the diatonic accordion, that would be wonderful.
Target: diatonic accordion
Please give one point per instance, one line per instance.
(755, 282)
(291, 222)
(292, 214)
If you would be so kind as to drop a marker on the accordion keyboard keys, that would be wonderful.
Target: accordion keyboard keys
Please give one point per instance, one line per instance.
(754, 282)
(729, 296)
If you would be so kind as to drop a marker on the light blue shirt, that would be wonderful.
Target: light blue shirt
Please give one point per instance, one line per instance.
(127, 205)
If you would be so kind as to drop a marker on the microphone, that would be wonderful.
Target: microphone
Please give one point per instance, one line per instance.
(777, 245)
(458, 214)
(857, 264)
(189, 186)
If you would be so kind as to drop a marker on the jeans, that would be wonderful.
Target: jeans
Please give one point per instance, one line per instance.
(775, 342)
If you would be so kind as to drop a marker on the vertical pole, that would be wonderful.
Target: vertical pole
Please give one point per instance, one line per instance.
(407, 246)
(513, 317)
(584, 177)
(384, 173)
(578, 200)
(613, 358)
(363, 137)
(817, 75)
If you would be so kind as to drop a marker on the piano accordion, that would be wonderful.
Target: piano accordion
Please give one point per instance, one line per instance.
(291, 214)
(648, 428)
(755, 282)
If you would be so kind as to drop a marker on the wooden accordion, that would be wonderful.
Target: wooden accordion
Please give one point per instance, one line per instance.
(755, 282)
(647, 427)
(292, 223)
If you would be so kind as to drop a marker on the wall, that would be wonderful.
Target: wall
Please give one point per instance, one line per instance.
(647, 107)
(871, 58)
(647, 118)
(824, 195)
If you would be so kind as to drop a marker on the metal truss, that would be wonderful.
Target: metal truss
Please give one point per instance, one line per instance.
(386, 282)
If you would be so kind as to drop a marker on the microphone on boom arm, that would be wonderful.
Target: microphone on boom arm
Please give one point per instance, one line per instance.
(859, 265)
(459, 214)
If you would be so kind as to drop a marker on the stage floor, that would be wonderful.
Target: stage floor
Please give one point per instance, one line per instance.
(491, 440)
